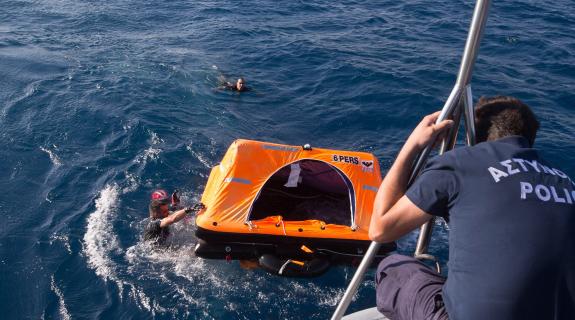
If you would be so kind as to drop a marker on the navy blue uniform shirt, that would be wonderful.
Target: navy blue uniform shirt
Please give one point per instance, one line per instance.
(512, 231)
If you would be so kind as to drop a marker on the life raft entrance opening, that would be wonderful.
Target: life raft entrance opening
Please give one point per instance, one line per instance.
(307, 190)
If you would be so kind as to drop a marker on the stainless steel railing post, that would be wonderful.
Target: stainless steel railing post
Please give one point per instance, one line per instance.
(460, 91)
(464, 98)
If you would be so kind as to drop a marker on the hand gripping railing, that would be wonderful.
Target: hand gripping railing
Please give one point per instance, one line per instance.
(460, 97)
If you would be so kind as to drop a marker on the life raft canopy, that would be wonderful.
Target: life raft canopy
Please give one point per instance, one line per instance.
(307, 190)
(318, 193)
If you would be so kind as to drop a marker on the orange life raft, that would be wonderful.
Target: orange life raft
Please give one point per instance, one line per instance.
(266, 198)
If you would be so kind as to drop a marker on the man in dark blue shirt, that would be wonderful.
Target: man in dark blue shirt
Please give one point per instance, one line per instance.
(511, 218)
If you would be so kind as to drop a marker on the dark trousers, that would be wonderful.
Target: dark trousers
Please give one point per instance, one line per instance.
(407, 289)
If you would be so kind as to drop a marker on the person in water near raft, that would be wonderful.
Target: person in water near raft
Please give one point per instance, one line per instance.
(161, 218)
(511, 218)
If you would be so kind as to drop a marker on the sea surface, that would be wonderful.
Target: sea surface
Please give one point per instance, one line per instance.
(101, 102)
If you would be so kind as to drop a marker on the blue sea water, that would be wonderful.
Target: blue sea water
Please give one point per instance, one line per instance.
(103, 101)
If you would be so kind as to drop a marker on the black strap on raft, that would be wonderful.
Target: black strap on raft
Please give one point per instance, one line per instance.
(292, 267)
(196, 207)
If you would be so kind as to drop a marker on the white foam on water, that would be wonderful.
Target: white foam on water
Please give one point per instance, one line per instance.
(152, 153)
(196, 284)
(61, 238)
(144, 301)
(133, 182)
(53, 157)
(100, 240)
(205, 160)
(146, 261)
(100, 243)
(62, 304)
(263, 298)
(331, 297)
(199, 284)
(149, 154)
(307, 292)
(191, 285)
(187, 297)
(154, 138)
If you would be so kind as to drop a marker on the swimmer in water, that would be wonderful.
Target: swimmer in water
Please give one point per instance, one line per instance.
(239, 86)
(158, 228)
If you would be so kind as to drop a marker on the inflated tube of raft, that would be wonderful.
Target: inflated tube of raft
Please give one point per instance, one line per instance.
(293, 268)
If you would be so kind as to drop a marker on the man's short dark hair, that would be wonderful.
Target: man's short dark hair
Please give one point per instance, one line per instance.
(501, 116)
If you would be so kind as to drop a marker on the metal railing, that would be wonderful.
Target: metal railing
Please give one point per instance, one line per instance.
(458, 104)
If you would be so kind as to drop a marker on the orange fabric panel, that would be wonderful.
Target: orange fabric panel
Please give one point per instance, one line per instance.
(234, 184)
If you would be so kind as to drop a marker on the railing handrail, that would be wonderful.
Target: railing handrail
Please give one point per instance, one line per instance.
(460, 97)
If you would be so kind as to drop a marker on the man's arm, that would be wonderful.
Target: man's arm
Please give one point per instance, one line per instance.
(174, 217)
(394, 214)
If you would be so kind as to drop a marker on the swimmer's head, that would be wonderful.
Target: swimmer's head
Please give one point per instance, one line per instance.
(240, 84)
(159, 209)
(159, 204)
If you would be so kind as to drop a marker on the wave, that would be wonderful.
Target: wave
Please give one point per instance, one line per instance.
(132, 183)
(53, 157)
(100, 242)
(100, 239)
(146, 261)
(190, 285)
(204, 145)
(152, 153)
(61, 238)
(144, 302)
(61, 303)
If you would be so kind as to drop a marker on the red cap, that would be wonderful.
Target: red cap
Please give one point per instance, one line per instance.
(160, 195)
